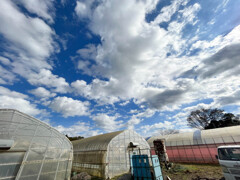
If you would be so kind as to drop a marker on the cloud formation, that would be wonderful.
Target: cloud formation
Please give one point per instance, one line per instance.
(137, 64)
(69, 107)
(42, 8)
(42, 93)
(16, 100)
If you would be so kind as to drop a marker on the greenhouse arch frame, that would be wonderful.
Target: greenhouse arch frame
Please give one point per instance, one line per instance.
(199, 146)
(107, 155)
(37, 152)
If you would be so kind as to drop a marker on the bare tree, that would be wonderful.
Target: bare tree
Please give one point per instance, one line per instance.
(164, 131)
(203, 117)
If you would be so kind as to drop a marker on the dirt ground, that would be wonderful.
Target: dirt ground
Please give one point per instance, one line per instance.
(183, 172)
(194, 172)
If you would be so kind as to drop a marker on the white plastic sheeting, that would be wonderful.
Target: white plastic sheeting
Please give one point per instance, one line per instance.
(118, 152)
(107, 155)
(198, 146)
(39, 151)
(200, 137)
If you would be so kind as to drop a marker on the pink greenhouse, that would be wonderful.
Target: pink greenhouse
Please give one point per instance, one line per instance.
(197, 146)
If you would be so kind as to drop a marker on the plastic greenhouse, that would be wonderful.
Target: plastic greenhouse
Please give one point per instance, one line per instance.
(198, 146)
(31, 149)
(107, 155)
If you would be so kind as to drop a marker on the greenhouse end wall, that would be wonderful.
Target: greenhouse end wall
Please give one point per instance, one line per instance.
(38, 152)
(92, 162)
(118, 152)
(90, 154)
(106, 155)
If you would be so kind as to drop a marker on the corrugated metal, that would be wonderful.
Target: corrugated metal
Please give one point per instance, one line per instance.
(198, 146)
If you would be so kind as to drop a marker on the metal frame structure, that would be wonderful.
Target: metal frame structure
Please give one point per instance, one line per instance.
(198, 146)
(39, 151)
(106, 155)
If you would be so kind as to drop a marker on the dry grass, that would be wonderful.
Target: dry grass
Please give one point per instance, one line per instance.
(184, 172)
(193, 171)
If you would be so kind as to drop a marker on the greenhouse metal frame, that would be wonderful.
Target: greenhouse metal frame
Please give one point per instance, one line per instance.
(199, 146)
(107, 155)
(39, 151)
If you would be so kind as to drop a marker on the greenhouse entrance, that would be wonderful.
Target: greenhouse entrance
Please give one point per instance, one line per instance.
(10, 164)
(160, 149)
(134, 149)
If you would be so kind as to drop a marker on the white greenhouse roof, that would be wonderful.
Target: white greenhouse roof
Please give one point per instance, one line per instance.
(16, 123)
(230, 146)
(210, 136)
(99, 142)
(37, 151)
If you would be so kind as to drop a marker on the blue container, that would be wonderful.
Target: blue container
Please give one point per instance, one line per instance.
(140, 167)
(157, 168)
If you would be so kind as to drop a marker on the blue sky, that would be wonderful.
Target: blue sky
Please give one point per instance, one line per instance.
(92, 67)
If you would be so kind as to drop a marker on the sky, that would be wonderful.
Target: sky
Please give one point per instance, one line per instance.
(92, 67)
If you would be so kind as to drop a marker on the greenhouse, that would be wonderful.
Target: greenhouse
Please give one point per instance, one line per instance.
(107, 155)
(197, 146)
(31, 149)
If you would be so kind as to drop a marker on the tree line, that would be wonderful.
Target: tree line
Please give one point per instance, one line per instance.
(212, 118)
(74, 138)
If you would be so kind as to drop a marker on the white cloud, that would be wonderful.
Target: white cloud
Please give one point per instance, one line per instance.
(42, 92)
(189, 13)
(132, 55)
(175, 28)
(124, 103)
(210, 47)
(193, 108)
(101, 91)
(43, 8)
(106, 122)
(45, 77)
(230, 98)
(221, 6)
(218, 71)
(78, 129)
(14, 94)
(89, 52)
(225, 61)
(29, 37)
(2, 81)
(29, 43)
(19, 104)
(167, 11)
(133, 111)
(150, 130)
(132, 122)
(146, 113)
(5, 61)
(15, 100)
(6, 77)
(143, 62)
(69, 107)
(82, 9)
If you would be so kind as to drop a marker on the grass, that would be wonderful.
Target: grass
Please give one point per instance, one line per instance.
(181, 171)
(193, 171)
